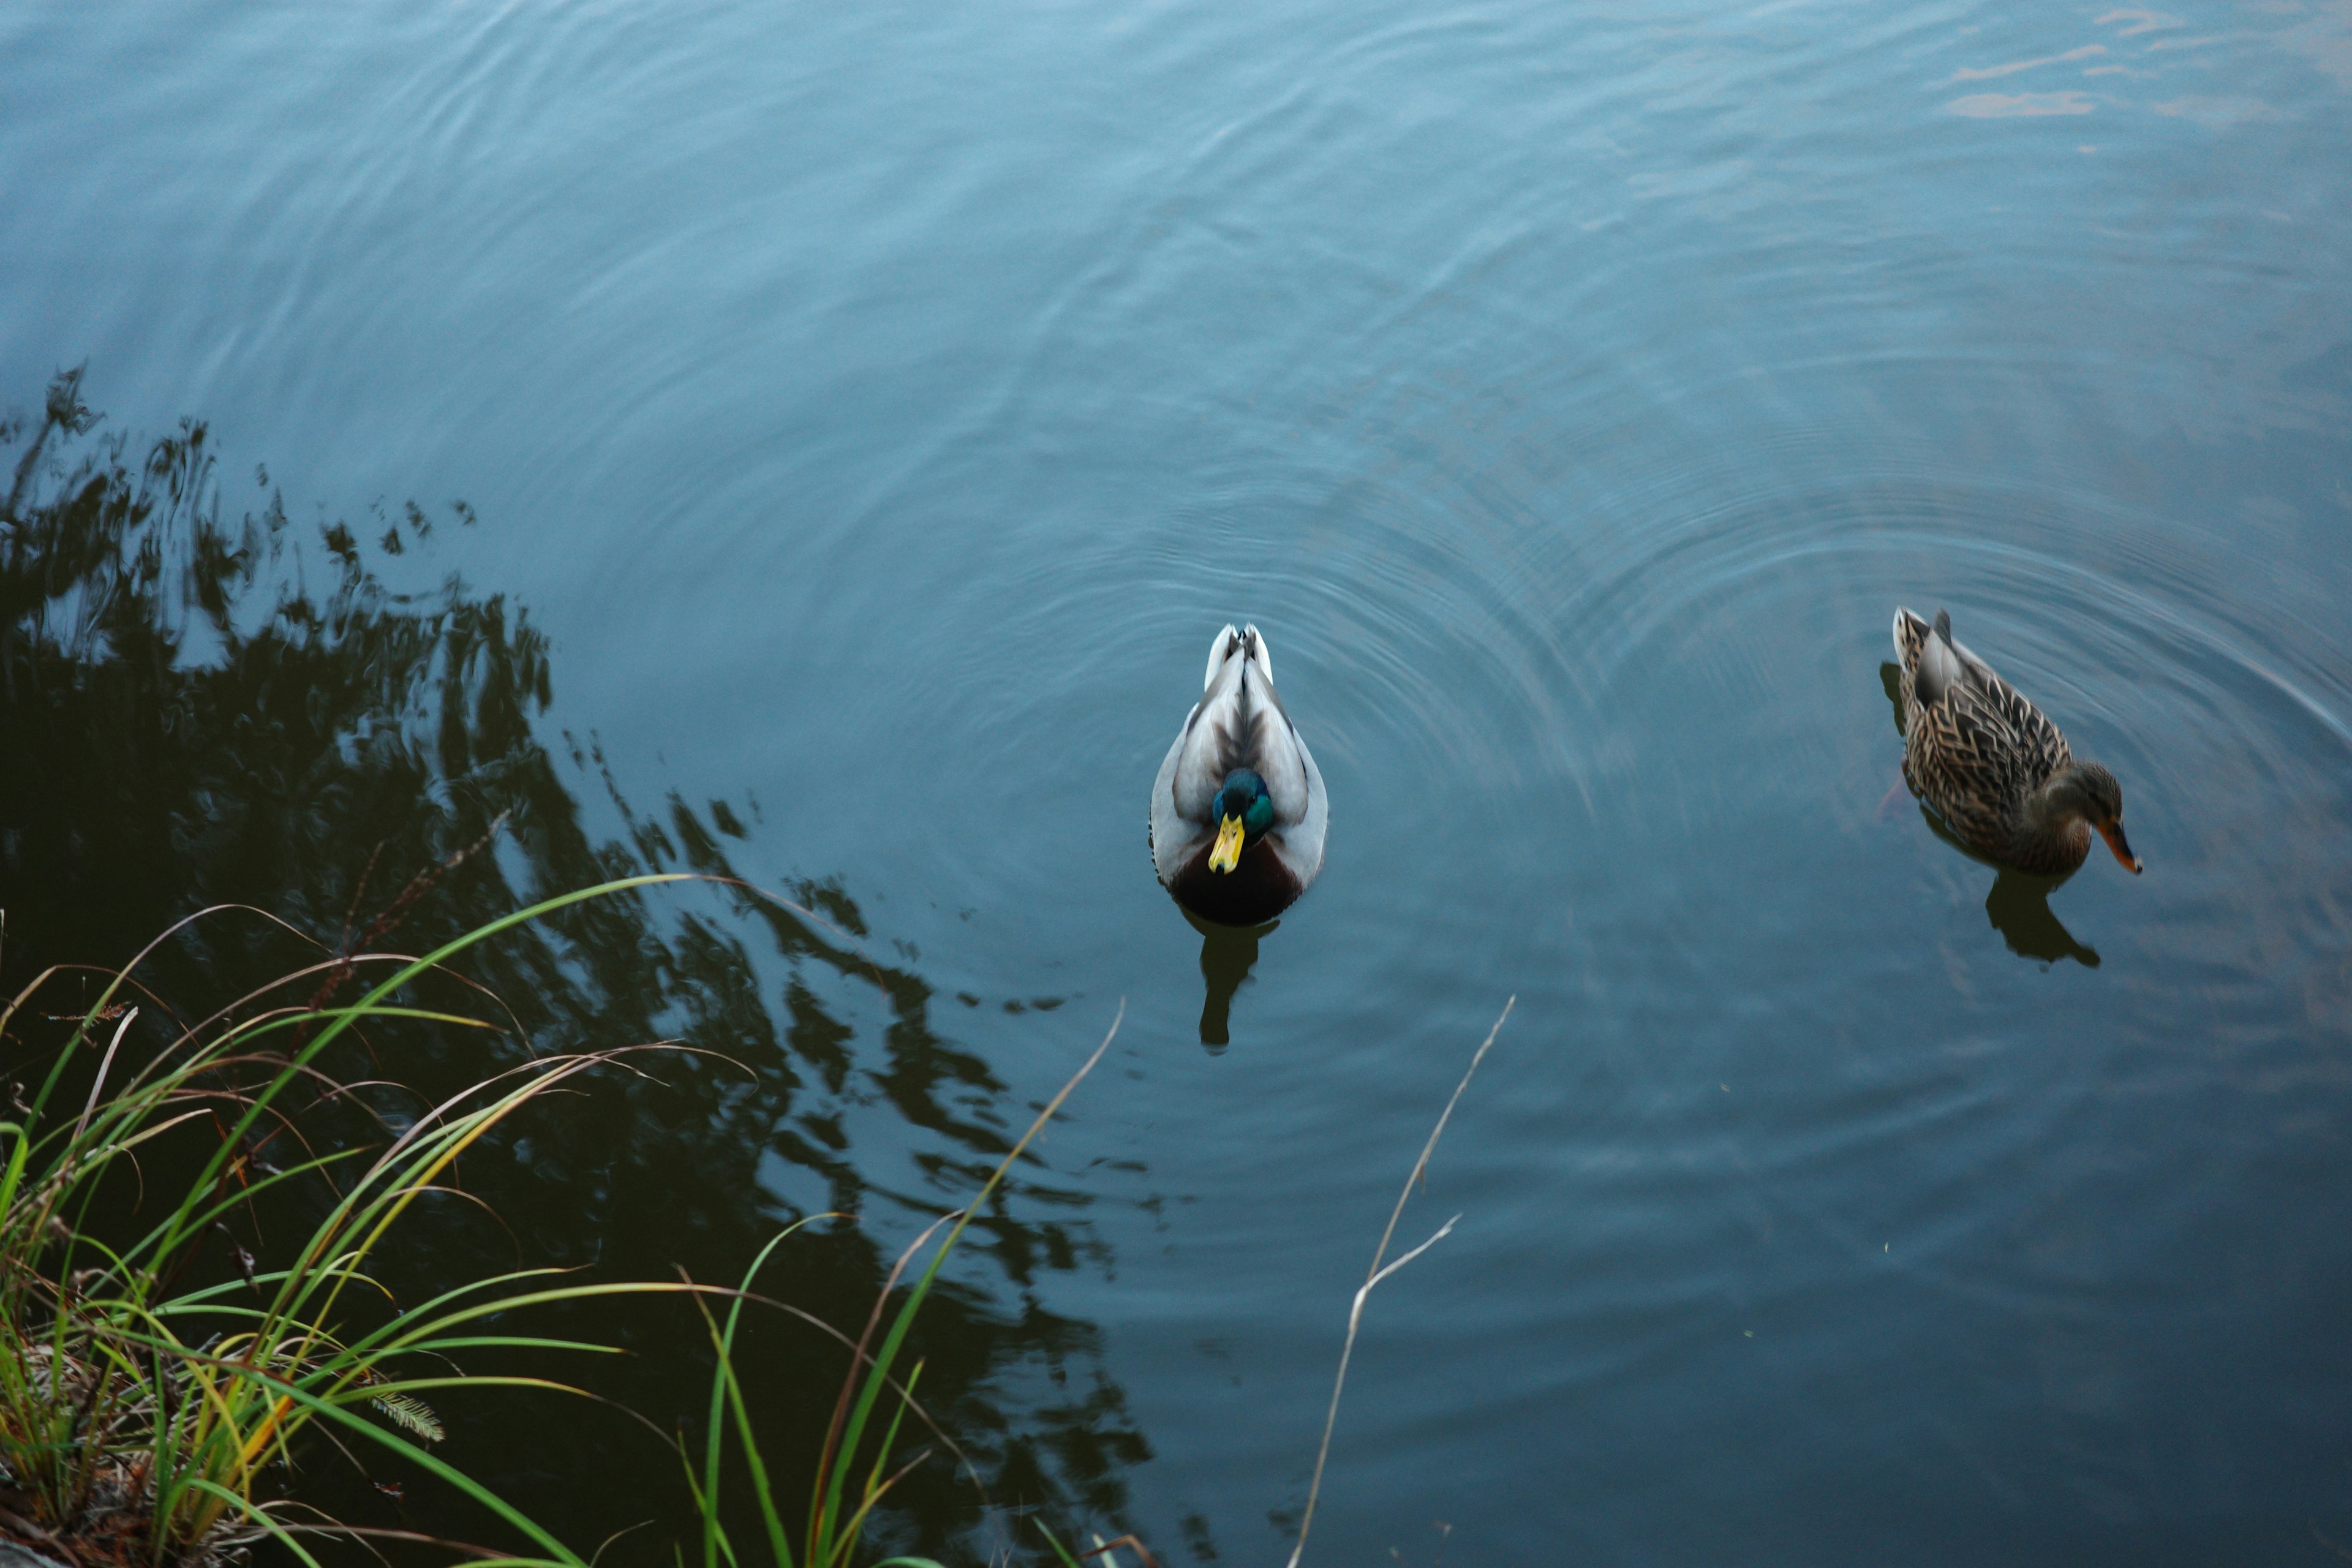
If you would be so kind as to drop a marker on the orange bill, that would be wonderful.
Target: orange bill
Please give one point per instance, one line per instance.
(2113, 832)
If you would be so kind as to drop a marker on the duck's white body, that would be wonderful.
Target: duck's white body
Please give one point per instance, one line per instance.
(1239, 722)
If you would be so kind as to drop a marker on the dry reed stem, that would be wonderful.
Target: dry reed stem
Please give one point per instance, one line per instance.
(1378, 1273)
(1104, 1549)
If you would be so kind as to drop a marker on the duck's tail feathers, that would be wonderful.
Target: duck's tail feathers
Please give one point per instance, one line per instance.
(1221, 648)
(1260, 655)
(1910, 635)
(1250, 643)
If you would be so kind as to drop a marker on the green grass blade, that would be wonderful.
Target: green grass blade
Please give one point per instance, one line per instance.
(1051, 1540)
(721, 1377)
(400, 977)
(829, 1510)
(777, 1547)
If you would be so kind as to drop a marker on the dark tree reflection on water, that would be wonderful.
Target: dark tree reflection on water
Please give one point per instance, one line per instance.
(199, 711)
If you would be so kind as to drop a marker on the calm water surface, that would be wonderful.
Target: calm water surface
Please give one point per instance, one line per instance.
(877, 407)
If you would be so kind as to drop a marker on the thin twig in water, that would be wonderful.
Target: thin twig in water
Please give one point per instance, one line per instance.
(367, 873)
(397, 910)
(1379, 1273)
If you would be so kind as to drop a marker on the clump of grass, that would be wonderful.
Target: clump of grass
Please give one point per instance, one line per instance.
(139, 1416)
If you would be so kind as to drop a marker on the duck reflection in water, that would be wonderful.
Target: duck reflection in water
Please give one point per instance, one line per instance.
(2019, 903)
(2019, 906)
(1227, 955)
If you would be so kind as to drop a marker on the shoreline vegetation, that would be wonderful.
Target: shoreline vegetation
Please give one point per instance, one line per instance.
(275, 721)
(295, 1248)
(149, 1418)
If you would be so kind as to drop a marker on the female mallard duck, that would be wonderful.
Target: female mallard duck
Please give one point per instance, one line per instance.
(1998, 772)
(1237, 811)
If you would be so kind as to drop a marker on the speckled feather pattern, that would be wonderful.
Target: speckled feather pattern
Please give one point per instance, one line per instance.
(1976, 749)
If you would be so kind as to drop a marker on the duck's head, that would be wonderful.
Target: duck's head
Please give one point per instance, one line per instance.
(1244, 812)
(2093, 791)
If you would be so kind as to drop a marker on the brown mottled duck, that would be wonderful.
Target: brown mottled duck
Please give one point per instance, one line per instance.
(1995, 769)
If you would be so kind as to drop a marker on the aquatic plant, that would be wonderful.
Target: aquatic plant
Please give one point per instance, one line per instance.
(1382, 1266)
(836, 1520)
(140, 1412)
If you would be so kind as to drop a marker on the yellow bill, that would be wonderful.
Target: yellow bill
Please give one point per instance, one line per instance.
(1228, 852)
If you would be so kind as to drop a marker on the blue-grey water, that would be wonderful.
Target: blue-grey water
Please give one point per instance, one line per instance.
(879, 406)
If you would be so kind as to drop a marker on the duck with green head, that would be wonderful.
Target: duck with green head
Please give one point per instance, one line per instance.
(1238, 809)
(1993, 766)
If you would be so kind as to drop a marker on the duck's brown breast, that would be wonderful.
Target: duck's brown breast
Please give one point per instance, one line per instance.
(1260, 887)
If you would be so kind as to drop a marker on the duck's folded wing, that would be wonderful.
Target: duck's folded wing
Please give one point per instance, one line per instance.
(2006, 725)
(1944, 663)
(1301, 835)
(1214, 739)
(1939, 673)
(1173, 840)
(1280, 758)
(1198, 760)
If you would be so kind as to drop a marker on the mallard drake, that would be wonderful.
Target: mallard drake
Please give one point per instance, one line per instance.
(1996, 770)
(1237, 811)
